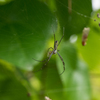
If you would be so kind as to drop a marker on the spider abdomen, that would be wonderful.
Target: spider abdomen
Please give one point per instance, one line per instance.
(55, 51)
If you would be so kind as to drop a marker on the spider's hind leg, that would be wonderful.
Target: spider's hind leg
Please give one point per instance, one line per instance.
(62, 62)
(45, 63)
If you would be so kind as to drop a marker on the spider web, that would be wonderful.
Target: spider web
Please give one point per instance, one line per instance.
(12, 88)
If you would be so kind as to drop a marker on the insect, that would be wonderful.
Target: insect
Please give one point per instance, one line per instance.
(98, 15)
(85, 35)
(47, 98)
(54, 51)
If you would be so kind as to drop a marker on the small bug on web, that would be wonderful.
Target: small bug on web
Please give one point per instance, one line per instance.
(98, 15)
(47, 98)
(54, 51)
(85, 35)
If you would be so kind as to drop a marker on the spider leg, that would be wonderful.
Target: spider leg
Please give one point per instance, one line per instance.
(62, 62)
(49, 49)
(46, 62)
(61, 37)
(44, 59)
(41, 61)
(54, 38)
(54, 34)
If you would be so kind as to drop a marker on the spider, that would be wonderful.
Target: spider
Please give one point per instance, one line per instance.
(54, 51)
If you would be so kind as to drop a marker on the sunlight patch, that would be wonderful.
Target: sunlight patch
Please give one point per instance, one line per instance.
(73, 38)
(95, 4)
(2, 0)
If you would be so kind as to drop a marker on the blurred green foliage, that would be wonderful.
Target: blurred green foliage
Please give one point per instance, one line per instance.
(26, 31)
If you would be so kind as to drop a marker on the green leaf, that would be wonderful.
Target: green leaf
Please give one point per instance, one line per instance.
(25, 26)
(51, 84)
(90, 53)
(10, 87)
(72, 84)
(73, 15)
(75, 79)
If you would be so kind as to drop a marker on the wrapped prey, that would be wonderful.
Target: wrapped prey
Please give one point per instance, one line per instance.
(47, 98)
(85, 35)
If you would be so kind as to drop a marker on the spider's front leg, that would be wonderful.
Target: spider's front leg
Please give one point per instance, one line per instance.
(61, 37)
